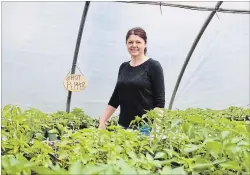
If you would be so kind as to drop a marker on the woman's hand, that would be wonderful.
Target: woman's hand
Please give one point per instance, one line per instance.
(159, 111)
(102, 124)
(107, 114)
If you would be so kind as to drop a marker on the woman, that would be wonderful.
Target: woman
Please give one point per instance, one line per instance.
(140, 83)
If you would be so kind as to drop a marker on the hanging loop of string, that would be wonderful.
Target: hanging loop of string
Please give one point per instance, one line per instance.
(77, 68)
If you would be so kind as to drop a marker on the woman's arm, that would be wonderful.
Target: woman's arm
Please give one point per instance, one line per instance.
(158, 85)
(107, 114)
(113, 104)
(110, 109)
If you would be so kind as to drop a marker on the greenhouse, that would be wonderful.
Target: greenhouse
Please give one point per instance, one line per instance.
(48, 128)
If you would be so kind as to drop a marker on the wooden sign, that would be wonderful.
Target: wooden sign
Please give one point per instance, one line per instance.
(75, 83)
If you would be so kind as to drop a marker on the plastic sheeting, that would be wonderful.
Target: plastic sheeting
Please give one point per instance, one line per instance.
(38, 42)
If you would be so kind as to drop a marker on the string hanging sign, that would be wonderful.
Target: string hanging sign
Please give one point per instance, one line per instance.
(75, 82)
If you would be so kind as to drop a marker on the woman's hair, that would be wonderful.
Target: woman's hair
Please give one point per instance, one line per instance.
(140, 32)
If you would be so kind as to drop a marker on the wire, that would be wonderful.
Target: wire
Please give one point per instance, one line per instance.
(189, 7)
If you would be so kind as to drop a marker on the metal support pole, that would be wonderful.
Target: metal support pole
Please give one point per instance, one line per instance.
(191, 52)
(78, 42)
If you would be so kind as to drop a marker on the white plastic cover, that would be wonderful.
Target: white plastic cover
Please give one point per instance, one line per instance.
(38, 44)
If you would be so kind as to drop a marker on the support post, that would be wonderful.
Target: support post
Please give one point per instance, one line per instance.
(203, 28)
(78, 42)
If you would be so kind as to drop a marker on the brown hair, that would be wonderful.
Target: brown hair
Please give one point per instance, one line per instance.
(140, 32)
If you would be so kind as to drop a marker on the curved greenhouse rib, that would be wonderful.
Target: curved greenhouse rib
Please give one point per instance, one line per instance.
(78, 42)
(191, 52)
(190, 7)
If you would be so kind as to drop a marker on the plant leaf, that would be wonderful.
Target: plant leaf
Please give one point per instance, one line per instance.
(231, 165)
(176, 171)
(75, 168)
(190, 148)
(160, 155)
(149, 157)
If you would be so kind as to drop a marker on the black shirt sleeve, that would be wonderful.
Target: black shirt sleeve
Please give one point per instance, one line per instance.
(158, 86)
(114, 100)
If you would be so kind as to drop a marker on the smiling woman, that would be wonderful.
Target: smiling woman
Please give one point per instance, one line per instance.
(140, 85)
(136, 41)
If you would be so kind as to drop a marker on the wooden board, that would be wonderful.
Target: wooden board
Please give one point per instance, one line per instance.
(75, 83)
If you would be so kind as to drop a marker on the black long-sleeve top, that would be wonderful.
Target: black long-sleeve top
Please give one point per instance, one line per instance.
(138, 89)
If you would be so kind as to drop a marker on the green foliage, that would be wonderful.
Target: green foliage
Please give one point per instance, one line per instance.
(194, 141)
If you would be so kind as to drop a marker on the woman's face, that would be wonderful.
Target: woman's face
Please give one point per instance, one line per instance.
(136, 45)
